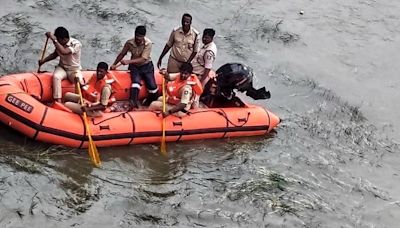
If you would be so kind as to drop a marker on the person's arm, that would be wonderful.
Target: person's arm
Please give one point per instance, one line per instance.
(167, 47)
(192, 57)
(186, 98)
(135, 61)
(209, 58)
(176, 108)
(61, 49)
(94, 107)
(120, 56)
(168, 76)
(143, 57)
(48, 58)
(196, 47)
(165, 50)
(205, 74)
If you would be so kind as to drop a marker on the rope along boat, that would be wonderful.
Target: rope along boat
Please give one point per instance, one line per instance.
(24, 106)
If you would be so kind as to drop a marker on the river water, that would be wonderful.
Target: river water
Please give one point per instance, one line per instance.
(333, 162)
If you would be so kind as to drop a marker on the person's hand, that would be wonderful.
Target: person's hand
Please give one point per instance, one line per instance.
(125, 62)
(51, 36)
(163, 71)
(76, 80)
(159, 63)
(113, 67)
(84, 108)
(40, 62)
(165, 114)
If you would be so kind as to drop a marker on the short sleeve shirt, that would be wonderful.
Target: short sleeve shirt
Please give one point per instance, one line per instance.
(72, 61)
(183, 45)
(204, 58)
(143, 50)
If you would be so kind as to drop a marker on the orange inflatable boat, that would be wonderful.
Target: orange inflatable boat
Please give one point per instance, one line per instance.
(23, 99)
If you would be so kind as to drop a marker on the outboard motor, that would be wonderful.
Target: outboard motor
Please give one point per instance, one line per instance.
(219, 91)
(238, 76)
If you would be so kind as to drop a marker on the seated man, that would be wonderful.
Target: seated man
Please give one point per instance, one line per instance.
(218, 91)
(69, 51)
(97, 93)
(181, 91)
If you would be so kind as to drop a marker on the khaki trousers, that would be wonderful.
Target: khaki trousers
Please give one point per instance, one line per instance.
(158, 106)
(173, 65)
(72, 101)
(61, 74)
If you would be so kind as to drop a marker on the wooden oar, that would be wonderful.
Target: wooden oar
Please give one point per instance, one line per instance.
(118, 65)
(43, 52)
(92, 149)
(163, 147)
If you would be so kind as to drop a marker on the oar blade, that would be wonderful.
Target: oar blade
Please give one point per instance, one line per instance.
(163, 147)
(94, 154)
(92, 149)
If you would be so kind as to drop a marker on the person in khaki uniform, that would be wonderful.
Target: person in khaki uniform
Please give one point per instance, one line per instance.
(97, 93)
(140, 66)
(181, 90)
(69, 51)
(184, 45)
(203, 62)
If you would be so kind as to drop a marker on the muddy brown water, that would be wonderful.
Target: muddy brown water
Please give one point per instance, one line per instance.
(333, 162)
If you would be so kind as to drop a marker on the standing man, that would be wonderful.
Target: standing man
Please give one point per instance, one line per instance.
(140, 66)
(184, 42)
(69, 51)
(203, 62)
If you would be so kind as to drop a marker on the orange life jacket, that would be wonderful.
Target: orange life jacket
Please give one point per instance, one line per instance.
(92, 89)
(174, 87)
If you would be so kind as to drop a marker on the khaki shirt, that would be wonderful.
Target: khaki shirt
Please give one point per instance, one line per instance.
(71, 61)
(183, 45)
(143, 50)
(204, 58)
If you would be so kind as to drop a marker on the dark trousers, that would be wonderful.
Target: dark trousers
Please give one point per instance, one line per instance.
(145, 73)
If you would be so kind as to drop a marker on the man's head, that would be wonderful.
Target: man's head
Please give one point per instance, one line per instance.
(62, 35)
(185, 70)
(186, 22)
(140, 33)
(208, 35)
(101, 70)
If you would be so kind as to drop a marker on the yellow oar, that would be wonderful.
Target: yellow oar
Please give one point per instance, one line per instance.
(163, 147)
(43, 52)
(92, 149)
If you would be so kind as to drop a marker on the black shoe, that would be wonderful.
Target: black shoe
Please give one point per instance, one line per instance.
(150, 98)
(133, 105)
(133, 99)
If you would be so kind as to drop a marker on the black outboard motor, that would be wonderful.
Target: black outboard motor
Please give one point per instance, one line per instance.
(219, 92)
(238, 76)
